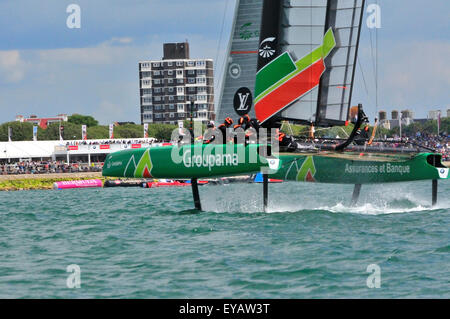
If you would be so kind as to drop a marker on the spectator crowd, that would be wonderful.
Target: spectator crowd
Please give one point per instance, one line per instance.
(46, 167)
(149, 141)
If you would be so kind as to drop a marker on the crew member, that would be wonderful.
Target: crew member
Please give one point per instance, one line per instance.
(286, 141)
(224, 128)
(362, 135)
(210, 128)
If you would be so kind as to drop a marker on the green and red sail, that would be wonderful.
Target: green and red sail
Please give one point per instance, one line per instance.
(283, 81)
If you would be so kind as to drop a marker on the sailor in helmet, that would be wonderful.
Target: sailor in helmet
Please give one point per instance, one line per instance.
(210, 134)
(223, 128)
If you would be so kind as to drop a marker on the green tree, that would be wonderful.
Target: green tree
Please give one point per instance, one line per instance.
(83, 119)
(21, 131)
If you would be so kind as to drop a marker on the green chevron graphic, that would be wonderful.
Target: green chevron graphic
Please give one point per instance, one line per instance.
(144, 167)
(283, 68)
(307, 171)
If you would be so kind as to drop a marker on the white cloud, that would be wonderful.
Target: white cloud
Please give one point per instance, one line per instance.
(12, 68)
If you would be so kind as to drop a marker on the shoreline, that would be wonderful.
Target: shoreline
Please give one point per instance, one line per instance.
(42, 181)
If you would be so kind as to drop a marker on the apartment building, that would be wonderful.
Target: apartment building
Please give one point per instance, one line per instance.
(168, 86)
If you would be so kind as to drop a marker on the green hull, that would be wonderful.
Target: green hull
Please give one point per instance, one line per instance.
(203, 161)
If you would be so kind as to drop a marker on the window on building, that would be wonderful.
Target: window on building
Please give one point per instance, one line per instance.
(156, 65)
(147, 91)
(170, 89)
(157, 90)
(180, 89)
(157, 81)
(172, 115)
(146, 82)
(179, 72)
(191, 72)
(201, 72)
(180, 107)
(170, 72)
(157, 99)
(171, 106)
(169, 81)
(201, 89)
(180, 63)
(156, 73)
(171, 98)
(201, 80)
(200, 63)
(169, 63)
(190, 63)
(180, 98)
(180, 81)
(191, 81)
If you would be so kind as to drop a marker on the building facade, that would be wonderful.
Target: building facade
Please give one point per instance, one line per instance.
(43, 122)
(168, 86)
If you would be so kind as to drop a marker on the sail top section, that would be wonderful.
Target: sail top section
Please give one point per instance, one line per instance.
(238, 81)
(308, 50)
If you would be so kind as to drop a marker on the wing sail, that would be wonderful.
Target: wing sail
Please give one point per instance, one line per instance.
(311, 69)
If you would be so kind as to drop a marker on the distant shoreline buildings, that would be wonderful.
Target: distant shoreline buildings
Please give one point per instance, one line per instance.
(168, 86)
(406, 117)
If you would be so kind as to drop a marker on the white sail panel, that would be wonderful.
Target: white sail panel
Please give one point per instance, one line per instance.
(241, 64)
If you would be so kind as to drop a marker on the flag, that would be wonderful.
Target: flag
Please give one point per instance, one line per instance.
(111, 131)
(9, 134)
(35, 130)
(439, 122)
(83, 132)
(61, 133)
(145, 130)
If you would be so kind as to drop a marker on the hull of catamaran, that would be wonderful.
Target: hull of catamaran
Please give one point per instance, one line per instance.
(203, 161)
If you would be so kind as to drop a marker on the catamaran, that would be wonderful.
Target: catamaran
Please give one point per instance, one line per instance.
(289, 60)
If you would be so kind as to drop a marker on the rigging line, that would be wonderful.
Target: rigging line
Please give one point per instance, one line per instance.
(371, 53)
(363, 77)
(221, 34)
(376, 76)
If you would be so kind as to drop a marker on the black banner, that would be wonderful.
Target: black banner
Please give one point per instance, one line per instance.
(270, 32)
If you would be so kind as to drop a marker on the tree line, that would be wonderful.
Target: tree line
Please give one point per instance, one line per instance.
(23, 131)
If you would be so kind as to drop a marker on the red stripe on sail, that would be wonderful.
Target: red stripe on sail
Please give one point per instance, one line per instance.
(290, 91)
(244, 52)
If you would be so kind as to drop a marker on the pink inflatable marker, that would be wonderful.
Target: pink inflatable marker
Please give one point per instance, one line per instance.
(78, 184)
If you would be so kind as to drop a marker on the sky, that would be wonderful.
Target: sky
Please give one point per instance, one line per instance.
(47, 69)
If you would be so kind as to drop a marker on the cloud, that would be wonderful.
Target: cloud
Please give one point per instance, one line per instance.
(12, 68)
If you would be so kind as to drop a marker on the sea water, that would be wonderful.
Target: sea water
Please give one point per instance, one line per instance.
(150, 243)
